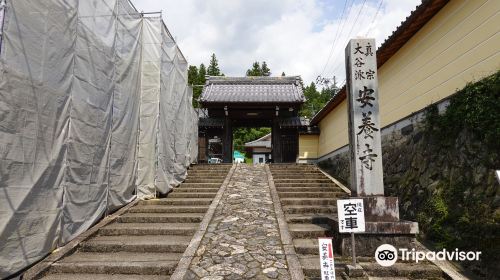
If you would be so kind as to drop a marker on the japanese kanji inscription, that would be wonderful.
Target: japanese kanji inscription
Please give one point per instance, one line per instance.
(364, 120)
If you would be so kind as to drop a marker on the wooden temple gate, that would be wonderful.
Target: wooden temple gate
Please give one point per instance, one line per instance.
(231, 102)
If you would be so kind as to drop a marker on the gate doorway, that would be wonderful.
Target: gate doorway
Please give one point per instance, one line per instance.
(232, 102)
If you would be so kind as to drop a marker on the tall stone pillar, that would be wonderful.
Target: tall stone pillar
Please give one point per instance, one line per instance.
(381, 213)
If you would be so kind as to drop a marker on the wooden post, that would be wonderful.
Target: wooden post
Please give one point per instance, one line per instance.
(276, 141)
(228, 140)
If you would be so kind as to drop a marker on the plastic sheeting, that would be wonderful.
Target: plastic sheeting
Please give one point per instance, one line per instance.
(94, 110)
(2, 10)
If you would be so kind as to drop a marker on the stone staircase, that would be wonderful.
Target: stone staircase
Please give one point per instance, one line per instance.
(308, 198)
(148, 240)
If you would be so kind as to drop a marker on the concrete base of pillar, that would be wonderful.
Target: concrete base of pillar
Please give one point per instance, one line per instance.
(382, 226)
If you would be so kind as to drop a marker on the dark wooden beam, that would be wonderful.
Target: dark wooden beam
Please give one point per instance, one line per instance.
(228, 140)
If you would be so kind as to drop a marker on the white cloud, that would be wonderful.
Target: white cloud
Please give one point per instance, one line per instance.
(292, 36)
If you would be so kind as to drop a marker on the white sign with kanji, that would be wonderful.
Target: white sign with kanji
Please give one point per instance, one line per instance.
(326, 259)
(351, 215)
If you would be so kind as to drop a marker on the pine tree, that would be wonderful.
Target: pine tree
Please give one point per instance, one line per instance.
(213, 67)
(202, 72)
(255, 71)
(264, 70)
(192, 75)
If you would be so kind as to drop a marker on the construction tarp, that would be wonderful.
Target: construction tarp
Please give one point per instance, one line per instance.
(94, 111)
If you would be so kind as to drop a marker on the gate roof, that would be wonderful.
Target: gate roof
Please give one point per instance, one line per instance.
(269, 90)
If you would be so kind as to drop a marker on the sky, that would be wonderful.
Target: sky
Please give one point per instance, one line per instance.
(298, 37)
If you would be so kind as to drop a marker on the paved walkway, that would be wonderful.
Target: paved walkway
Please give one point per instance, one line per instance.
(242, 240)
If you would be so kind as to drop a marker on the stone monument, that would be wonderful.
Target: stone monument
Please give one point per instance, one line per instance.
(381, 213)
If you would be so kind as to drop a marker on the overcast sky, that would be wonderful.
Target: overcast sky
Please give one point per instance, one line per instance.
(293, 36)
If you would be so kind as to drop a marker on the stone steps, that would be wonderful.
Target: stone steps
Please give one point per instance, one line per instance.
(309, 209)
(147, 241)
(218, 173)
(187, 186)
(310, 218)
(204, 180)
(88, 276)
(118, 262)
(192, 190)
(283, 189)
(132, 243)
(160, 218)
(177, 201)
(192, 195)
(149, 229)
(308, 201)
(298, 176)
(408, 270)
(309, 230)
(307, 185)
(303, 181)
(168, 209)
(311, 194)
(310, 266)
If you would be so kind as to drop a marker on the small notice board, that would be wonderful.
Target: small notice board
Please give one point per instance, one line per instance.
(351, 215)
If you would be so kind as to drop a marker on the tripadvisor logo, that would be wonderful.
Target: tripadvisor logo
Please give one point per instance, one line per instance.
(387, 255)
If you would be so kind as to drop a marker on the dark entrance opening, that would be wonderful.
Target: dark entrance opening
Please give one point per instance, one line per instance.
(231, 102)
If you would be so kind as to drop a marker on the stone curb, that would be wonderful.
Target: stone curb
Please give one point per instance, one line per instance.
(183, 266)
(36, 271)
(446, 267)
(294, 266)
(344, 188)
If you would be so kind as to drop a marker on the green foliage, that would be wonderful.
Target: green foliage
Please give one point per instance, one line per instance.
(258, 70)
(265, 70)
(213, 67)
(242, 135)
(475, 108)
(463, 212)
(315, 100)
(197, 77)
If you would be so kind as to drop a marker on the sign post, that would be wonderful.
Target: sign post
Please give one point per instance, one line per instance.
(351, 219)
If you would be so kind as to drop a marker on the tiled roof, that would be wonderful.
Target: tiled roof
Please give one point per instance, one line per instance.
(264, 141)
(293, 122)
(413, 23)
(252, 90)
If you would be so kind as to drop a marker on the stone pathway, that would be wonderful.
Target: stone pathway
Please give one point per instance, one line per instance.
(242, 240)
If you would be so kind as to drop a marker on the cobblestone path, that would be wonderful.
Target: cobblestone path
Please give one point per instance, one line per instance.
(242, 240)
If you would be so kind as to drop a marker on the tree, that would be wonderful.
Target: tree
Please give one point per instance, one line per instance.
(264, 70)
(213, 67)
(255, 71)
(283, 74)
(242, 135)
(202, 74)
(192, 75)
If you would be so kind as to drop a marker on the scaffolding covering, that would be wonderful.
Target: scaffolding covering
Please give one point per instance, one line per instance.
(94, 112)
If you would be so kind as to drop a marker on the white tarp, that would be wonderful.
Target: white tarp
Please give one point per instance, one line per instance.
(2, 10)
(94, 110)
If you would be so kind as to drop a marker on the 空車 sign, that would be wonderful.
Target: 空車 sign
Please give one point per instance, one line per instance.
(351, 215)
